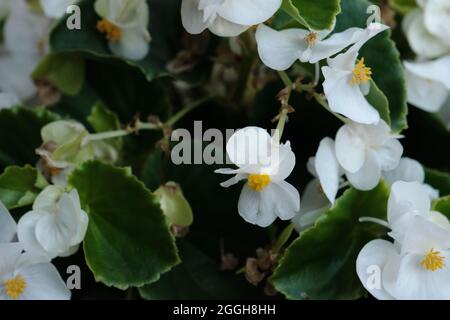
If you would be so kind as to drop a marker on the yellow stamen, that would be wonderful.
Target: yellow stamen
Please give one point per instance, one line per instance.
(113, 32)
(15, 287)
(258, 181)
(361, 73)
(312, 38)
(433, 260)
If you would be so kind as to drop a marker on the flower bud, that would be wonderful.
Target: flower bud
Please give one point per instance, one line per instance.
(174, 205)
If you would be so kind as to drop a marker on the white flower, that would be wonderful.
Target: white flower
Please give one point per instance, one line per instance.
(226, 18)
(280, 49)
(55, 8)
(8, 226)
(24, 45)
(348, 81)
(56, 225)
(364, 151)
(409, 170)
(125, 24)
(24, 276)
(428, 83)
(8, 100)
(416, 265)
(265, 165)
(426, 28)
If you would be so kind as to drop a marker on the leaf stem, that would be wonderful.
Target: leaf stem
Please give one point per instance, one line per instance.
(282, 116)
(183, 112)
(283, 238)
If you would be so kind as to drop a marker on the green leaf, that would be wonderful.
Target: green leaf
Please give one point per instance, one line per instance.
(380, 54)
(65, 71)
(379, 101)
(20, 134)
(321, 263)
(197, 277)
(102, 119)
(403, 6)
(127, 242)
(439, 180)
(315, 15)
(442, 205)
(90, 41)
(19, 186)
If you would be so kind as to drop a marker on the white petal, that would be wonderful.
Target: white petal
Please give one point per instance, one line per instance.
(334, 44)
(234, 180)
(250, 147)
(407, 197)
(314, 204)
(435, 70)
(224, 28)
(55, 8)
(437, 19)
(287, 200)
(420, 39)
(406, 279)
(8, 227)
(257, 207)
(389, 154)
(133, 45)
(347, 99)
(350, 148)
(371, 31)
(370, 265)
(248, 12)
(9, 254)
(15, 74)
(43, 283)
(280, 49)
(327, 168)
(368, 176)
(26, 232)
(282, 164)
(192, 17)
(408, 170)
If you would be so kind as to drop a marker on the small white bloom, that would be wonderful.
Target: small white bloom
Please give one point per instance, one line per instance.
(24, 45)
(226, 18)
(416, 265)
(265, 165)
(409, 170)
(426, 28)
(347, 81)
(364, 151)
(125, 24)
(280, 49)
(55, 8)
(8, 226)
(24, 276)
(428, 83)
(56, 225)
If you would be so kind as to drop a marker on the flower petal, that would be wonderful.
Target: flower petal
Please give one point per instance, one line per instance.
(133, 45)
(192, 17)
(408, 170)
(257, 207)
(327, 168)
(368, 176)
(347, 99)
(350, 148)
(389, 154)
(287, 200)
(8, 226)
(55, 8)
(280, 49)
(370, 265)
(224, 28)
(248, 12)
(26, 232)
(437, 19)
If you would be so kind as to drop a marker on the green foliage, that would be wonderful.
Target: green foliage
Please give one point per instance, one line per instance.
(127, 242)
(320, 264)
(19, 186)
(403, 6)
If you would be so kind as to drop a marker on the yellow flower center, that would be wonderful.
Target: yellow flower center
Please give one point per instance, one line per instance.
(312, 38)
(433, 260)
(258, 181)
(15, 287)
(361, 73)
(113, 32)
